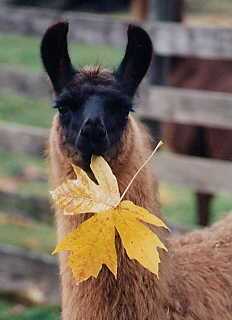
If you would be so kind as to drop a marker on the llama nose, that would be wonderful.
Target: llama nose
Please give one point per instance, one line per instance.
(93, 129)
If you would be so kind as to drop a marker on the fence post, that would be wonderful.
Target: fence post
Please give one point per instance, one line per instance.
(139, 9)
(164, 10)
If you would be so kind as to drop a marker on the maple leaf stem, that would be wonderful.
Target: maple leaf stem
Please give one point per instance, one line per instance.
(141, 168)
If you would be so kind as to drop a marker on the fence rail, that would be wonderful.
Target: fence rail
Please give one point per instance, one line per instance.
(24, 83)
(192, 172)
(195, 173)
(211, 109)
(25, 139)
(193, 107)
(168, 38)
(31, 276)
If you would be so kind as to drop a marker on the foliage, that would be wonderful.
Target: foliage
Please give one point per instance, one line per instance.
(92, 244)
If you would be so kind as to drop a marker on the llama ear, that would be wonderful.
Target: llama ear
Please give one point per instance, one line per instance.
(55, 57)
(137, 59)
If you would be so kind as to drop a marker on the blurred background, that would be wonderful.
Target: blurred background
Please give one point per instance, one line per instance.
(185, 100)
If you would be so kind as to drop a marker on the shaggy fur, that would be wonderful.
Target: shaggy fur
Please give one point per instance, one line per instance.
(106, 298)
(195, 275)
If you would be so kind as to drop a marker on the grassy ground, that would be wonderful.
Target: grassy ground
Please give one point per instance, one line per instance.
(24, 52)
(15, 164)
(178, 204)
(19, 172)
(31, 235)
(12, 311)
(25, 111)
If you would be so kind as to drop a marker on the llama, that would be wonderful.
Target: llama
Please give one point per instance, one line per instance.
(94, 116)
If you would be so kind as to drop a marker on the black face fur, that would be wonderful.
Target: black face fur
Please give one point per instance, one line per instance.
(94, 104)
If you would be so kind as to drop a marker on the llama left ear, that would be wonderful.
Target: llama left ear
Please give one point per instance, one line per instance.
(136, 61)
(55, 56)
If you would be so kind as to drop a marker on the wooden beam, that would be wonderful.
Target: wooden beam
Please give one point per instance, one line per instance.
(189, 107)
(182, 40)
(17, 138)
(167, 10)
(139, 9)
(86, 28)
(198, 174)
(194, 173)
(168, 38)
(165, 104)
(23, 83)
(30, 276)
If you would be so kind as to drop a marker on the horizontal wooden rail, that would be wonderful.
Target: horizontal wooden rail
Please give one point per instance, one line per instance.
(17, 138)
(195, 173)
(189, 107)
(30, 276)
(87, 28)
(182, 40)
(184, 106)
(168, 38)
(23, 83)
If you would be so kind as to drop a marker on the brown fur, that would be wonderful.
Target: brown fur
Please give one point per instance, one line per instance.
(195, 279)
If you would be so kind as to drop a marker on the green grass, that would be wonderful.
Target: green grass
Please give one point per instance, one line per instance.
(25, 111)
(179, 205)
(12, 311)
(13, 164)
(26, 234)
(23, 51)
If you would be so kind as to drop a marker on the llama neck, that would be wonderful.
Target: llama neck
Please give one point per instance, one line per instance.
(136, 293)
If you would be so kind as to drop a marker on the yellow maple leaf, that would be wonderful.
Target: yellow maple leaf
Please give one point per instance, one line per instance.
(83, 195)
(92, 244)
(138, 240)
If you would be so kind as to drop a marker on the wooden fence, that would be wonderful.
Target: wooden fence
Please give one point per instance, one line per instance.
(162, 104)
(165, 104)
(168, 38)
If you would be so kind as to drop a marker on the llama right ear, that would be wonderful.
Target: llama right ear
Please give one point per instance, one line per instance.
(55, 56)
(136, 61)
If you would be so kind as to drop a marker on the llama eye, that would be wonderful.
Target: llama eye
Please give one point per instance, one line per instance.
(63, 109)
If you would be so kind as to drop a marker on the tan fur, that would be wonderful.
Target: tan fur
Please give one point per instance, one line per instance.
(195, 280)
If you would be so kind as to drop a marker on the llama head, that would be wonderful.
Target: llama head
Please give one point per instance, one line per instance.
(93, 103)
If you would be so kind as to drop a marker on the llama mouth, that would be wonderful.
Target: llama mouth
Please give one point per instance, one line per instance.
(87, 150)
(91, 147)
